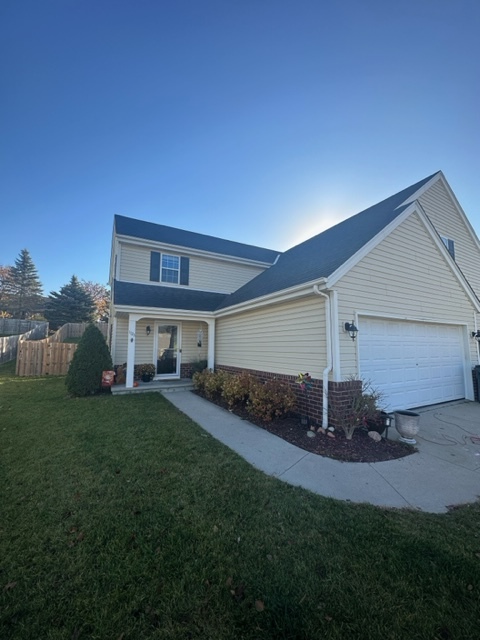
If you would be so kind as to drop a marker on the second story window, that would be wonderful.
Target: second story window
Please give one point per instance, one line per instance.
(450, 245)
(170, 269)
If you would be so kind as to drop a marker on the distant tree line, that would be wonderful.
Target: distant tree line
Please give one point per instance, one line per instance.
(21, 296)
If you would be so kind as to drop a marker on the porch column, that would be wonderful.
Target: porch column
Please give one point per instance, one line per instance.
(132, 323)
(211, 344)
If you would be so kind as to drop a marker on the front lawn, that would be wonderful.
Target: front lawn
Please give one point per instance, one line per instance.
(123, 520)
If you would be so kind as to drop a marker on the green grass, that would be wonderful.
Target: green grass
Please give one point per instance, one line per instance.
(122, 519)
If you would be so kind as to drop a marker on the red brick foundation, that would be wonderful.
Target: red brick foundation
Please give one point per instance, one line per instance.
(309, 403)
(186, 370)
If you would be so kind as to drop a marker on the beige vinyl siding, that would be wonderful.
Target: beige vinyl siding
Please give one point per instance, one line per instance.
(205, 273)
(134, 263)
(216, 275)
(449, 223)
(285, 338)
(190, 351)
(121, 341)
(144, 344)
(404, 276)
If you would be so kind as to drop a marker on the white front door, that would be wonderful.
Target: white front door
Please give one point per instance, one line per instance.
(167, 350)
(413, 363)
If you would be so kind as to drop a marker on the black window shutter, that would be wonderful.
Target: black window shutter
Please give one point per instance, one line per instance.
(184, 270)
(155, 266)
(451, 248)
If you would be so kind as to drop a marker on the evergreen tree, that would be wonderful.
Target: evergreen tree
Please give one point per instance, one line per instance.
(26, 288)
(72, 304)
(5, 288)
(92, 356)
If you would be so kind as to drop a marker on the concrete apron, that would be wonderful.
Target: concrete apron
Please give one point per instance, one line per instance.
(444, 472)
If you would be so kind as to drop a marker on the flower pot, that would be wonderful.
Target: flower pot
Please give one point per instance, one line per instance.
(146, 377)
(406, 423)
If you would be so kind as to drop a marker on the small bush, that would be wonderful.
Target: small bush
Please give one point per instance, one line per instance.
(199, 379)
(214, 384)
(236, 388)
(270, 400)
(92, 356)
(199, 366)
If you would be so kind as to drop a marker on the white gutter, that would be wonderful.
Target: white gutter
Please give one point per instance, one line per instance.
(329, 367)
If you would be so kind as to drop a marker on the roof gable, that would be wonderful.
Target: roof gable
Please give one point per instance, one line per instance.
(324, 254)
(188, 239)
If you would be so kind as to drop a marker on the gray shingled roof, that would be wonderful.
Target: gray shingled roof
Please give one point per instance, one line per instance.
(169, 235)
(155, 296)
(323, 254)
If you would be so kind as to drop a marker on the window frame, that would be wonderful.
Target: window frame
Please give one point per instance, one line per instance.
(449, 245)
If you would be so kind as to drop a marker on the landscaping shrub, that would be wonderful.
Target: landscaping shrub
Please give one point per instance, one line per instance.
(92, 356)
(236, 388)
(270, 400)
(199, 366)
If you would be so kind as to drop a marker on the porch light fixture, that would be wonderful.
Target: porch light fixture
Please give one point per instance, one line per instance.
(476, 335)
(148, 330)
(351, 329)
(199, 337)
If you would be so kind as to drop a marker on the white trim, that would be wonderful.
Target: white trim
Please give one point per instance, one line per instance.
(346, 266)
(189, 251)
(283, 295)
(419, 192)
(158, 312)
(386, 231)
(440, 177)
(337, 371)
(177, 323)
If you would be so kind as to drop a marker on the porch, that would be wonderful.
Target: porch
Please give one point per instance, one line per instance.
(155, 386)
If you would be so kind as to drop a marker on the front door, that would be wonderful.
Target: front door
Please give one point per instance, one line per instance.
(167, 350)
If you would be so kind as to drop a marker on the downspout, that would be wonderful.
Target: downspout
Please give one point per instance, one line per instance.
(329, 367)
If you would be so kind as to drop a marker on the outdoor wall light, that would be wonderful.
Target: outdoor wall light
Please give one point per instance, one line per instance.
(199, 337)
(351, 329)
(148, 330)
(476, 335)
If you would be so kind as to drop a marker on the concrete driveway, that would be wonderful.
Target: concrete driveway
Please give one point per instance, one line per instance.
(445, 471)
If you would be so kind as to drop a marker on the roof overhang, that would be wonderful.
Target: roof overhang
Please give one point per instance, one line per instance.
(284, 295)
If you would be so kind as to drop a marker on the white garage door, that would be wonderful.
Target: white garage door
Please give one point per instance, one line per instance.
(412, 363)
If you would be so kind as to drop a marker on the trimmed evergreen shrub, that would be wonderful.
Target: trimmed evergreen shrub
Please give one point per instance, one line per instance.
(92, 356)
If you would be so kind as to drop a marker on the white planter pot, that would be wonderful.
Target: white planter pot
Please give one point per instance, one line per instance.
(406, 423)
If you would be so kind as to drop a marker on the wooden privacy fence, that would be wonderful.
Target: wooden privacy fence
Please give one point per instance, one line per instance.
(9, 344)
(51, 357)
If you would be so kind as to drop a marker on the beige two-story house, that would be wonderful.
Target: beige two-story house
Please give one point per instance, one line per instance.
(390, 294)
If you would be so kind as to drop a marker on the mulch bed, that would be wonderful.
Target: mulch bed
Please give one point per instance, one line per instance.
(361, 448)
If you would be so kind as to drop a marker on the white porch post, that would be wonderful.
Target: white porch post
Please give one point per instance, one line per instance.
(211, 344)
(132, 323)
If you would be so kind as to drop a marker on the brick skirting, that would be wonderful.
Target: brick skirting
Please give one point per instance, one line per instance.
(309, 403)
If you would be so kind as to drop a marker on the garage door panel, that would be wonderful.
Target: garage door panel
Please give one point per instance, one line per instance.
(412, 363)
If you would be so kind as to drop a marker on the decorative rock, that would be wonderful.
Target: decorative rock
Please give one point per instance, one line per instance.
(311, 434)
(374, 435)
(321, 430)
(331, 428)
(330, 434)
(312, 428)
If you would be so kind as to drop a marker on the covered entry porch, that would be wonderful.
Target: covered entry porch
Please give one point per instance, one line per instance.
(175, 344)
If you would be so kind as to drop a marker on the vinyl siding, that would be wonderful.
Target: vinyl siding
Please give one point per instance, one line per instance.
(285, 338)
(206, 274)
(404, 276)
(144, 343)
(449, 223)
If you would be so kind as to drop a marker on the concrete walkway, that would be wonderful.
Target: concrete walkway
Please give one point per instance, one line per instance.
(444, 472)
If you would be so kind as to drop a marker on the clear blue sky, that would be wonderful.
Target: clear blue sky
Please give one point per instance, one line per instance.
(260, 121)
